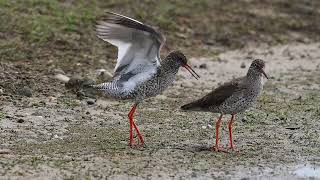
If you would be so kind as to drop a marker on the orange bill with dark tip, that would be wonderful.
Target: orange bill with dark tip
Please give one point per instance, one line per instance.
(192, 72)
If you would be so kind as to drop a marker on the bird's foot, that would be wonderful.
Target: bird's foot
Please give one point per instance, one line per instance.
(137, 146)
(133, 144)
(217, 149)
(234, 150)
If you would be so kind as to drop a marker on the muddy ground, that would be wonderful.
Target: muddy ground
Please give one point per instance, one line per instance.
(59, 135)
(50, 130)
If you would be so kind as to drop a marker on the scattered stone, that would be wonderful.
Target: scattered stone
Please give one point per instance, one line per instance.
(8, 116)
(5, 151)
(74, 82)
(103, 75)
(243, 65)
(25, 91)
(91, 101)
(100, 71)
(58, 71)
(87, 81)
(102, 61)
(77, 82)
(62, 77)
(161, 97)
(56, 137)
(293, 128)
(20, 120)
(203, 66)
(1, 91)
(282, 118)
(52, 99)
(80, 94)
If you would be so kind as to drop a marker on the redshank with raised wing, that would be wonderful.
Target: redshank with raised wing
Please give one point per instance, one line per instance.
(231, 98)
(139, 72)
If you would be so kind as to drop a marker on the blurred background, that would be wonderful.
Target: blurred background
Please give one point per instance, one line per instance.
(62, 31)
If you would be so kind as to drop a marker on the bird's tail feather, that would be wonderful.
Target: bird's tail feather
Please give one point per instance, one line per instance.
(109, 88)
(190, 107)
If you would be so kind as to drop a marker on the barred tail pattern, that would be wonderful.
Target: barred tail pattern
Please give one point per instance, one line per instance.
(110, 88)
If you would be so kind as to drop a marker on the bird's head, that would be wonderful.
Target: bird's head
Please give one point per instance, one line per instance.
(180, 59)
(258, 66)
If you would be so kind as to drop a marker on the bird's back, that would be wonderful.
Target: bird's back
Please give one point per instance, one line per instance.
(215, 99)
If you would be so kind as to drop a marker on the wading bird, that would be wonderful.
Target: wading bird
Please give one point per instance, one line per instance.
(232, 97)
(139, 72)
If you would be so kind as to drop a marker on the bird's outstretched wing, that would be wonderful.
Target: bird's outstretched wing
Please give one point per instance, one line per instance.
(217, 96)
(138, 48)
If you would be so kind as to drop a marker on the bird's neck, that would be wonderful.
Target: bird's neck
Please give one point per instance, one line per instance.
(169, 66)
(254, 76)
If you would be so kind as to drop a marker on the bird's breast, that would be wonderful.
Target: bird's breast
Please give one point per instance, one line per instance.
(155, 85)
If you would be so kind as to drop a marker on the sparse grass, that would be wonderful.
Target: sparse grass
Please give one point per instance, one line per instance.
(1, 115)
(65, 101)
(62, 31)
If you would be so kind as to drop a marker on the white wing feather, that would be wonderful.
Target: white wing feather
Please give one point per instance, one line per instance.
(138, 48)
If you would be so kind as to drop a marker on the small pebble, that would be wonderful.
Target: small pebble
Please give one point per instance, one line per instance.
(102, 61)
(91, 101)
(56, 137)
(5, 151)
(100, 71)
(243, 65)
(103, 75)
(25, 91)
(203, 66)
(20, 121)
(58, 71)
(161, 97)
(62, 77)
(244, 119)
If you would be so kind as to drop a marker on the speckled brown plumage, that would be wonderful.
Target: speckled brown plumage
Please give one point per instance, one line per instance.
(232, 97)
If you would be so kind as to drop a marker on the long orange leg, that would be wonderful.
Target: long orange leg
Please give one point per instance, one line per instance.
(218, 124)
(130, 116)
(138, 132)
(133, 125)
(230, 131)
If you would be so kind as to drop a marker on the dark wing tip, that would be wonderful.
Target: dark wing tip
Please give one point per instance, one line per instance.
(187, 106)
(114, 18)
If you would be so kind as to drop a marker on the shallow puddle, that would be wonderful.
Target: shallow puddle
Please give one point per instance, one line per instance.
(306, 171)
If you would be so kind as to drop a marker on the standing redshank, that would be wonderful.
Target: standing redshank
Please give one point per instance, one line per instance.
(139, 72)
(232, 97)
